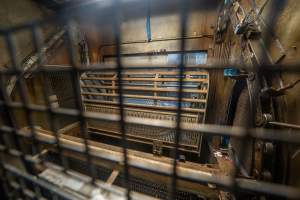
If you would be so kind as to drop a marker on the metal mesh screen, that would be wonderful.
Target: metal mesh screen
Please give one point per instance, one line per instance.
(26, 183)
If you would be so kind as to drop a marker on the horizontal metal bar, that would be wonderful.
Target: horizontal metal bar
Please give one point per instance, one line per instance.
(140, 162)
(269, 188)
(159, 40)
(107, 190)
(146, 79)
(145, 97)
(285, 125)
(88, 105)
(153, 72)
(287, 136)
(62, 193)
(170, 108)
(76, 144)
(112, 68)
(146, 142)
(142, 139)
(201, 91)
(159, 167)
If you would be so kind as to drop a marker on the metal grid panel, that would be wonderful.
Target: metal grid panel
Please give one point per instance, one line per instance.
(154, 89)
(150, 94)
(16, 179)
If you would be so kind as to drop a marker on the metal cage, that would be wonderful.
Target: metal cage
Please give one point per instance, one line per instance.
(42, 178)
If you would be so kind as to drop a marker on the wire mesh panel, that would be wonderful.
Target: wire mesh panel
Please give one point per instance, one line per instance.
(26, 171)
(148, 95)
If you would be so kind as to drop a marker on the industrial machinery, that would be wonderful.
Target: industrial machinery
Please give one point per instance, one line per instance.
(148, 95)
(127, 99)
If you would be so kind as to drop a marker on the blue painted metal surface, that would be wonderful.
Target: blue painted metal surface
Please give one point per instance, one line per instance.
(148, 24)
(227, 2)
(196, 58)
(228, 72)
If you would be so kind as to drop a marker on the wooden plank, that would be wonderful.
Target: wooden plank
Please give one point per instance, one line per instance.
(111, 179)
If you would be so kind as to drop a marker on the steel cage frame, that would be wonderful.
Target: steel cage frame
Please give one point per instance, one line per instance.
(231, 183)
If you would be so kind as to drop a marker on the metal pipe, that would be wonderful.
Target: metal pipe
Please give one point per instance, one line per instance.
(285, 125)
(158, 40)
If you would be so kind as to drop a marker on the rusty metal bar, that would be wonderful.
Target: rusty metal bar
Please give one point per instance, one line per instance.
(144, 89)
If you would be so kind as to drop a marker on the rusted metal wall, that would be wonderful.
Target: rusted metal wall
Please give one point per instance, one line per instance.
(164, 25)
(280, 40)
(287, 29)
(18, 12)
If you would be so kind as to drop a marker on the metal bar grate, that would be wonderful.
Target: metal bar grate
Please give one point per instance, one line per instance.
(25, 181)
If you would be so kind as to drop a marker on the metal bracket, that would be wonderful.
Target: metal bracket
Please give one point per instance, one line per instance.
(157, 148)
(273, 92)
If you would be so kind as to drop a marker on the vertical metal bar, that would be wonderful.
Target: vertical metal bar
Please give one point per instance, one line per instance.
(4, 184)
(117, 37)
(37, 42)
(78, 101)
(24, 98)
(8, 112)
(54, 196)
(82, 119)
(9, 121)
(22, 87)
(181, 68)
(23, 185)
